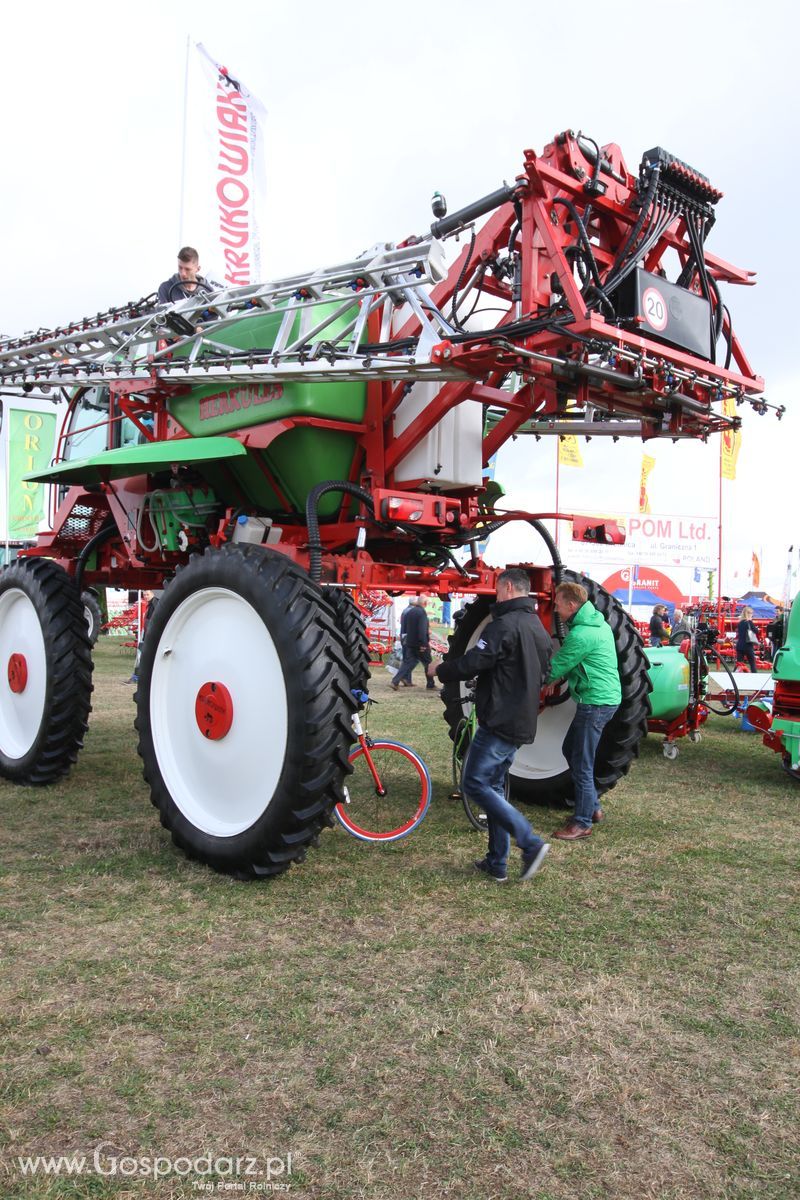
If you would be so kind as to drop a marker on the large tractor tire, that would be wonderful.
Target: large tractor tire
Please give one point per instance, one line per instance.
(92, 615)
(350, 623)
(244, 711)
(45, 672)
(539, 771)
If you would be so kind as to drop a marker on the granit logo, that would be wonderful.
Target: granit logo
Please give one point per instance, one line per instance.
(222, 403)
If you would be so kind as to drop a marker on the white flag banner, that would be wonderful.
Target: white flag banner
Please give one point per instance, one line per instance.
(225, 177)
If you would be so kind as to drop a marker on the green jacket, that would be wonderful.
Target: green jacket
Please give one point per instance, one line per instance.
(588, 659)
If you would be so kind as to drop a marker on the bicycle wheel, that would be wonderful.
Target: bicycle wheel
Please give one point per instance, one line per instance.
(462, 740)
(393, 805)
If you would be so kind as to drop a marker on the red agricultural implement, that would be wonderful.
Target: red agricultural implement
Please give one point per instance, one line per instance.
(263, 452)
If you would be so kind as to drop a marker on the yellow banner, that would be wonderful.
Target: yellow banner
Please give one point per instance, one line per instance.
(731, 442)
(569, 452)
(644, 500)
(756, 570)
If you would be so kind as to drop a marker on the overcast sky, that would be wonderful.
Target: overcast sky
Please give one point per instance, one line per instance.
(372, 108)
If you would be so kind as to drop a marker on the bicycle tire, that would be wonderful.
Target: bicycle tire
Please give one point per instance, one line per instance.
(372, 817)
(462, 740)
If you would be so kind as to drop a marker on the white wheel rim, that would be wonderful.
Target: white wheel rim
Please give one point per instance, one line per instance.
(543, 758)
(21, 712)
(88, 617)
(222, 786)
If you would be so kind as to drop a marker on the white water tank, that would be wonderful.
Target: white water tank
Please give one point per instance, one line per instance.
(451, 455)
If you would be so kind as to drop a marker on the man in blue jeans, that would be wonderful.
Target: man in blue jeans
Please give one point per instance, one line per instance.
(510, 660)
(588, 661)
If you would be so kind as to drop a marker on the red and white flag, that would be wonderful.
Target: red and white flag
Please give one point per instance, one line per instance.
(225, 178)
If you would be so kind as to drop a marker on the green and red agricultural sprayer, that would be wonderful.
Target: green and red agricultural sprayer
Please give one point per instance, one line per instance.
(263, 452)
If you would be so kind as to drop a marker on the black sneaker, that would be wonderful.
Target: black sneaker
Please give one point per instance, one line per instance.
(498, 874)
(532, 862)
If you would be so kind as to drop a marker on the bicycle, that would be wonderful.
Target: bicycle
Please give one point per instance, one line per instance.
(389, 791)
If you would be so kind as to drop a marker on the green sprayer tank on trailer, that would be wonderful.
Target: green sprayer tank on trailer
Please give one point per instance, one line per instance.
(262, 453)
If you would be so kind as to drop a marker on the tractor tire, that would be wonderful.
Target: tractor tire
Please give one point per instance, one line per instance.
(350, 623)
(243, 711)
(539, 771)
(92, 615)
(45, 672)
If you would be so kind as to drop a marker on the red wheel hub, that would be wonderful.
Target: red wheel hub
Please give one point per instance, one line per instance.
(17, 673)
(213, 710)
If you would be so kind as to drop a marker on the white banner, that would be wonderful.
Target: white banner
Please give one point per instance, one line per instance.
(225, 178)
(657, 541)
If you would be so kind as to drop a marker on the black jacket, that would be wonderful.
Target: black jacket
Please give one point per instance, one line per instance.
(173, 289)
(657, 629)
(414, 628)
(775, 629)
(511, 659)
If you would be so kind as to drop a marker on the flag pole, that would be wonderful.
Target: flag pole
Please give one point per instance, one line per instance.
(719, 544)
(183, 140)
(558, 481)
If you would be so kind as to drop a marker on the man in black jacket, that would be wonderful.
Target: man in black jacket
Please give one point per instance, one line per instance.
(415, 638)
(776, 630)
(510, 659)
(187, 280)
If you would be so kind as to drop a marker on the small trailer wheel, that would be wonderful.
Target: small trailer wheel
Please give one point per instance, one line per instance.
(695, 736)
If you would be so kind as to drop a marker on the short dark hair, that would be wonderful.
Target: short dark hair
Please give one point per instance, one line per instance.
(573, 593)
(519, 580)
(188, 254)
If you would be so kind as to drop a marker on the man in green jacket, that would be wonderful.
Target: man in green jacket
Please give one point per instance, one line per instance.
(588, 661)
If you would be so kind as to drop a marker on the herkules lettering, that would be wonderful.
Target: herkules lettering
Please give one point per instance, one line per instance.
(236, 399)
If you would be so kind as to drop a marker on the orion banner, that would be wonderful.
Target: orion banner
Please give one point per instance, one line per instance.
(224, 185)
(30, 448)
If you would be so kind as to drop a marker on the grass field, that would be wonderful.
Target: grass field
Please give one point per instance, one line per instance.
(626, 1025)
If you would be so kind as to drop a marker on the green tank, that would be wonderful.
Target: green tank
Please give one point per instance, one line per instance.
(299, 456)
(669, 674)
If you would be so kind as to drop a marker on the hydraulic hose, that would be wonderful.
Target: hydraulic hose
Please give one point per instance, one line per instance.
(558, 568)
(106, 531)
(312, 517)
(588, 251)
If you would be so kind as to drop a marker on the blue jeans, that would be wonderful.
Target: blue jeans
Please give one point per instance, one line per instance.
(579, 749)
(483, 781)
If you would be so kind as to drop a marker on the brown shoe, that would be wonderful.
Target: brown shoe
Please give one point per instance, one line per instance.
(395, 687)
(597, 815)
(571, 832)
